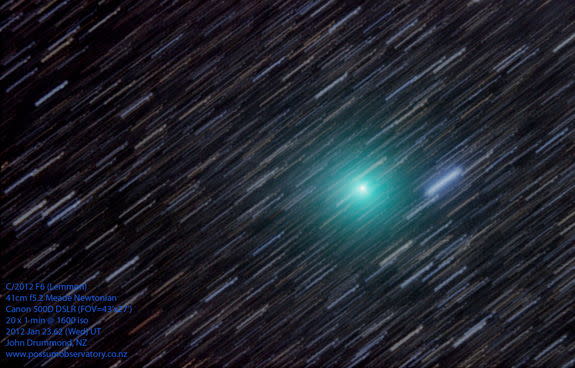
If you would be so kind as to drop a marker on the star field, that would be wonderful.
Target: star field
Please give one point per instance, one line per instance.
(296, 183)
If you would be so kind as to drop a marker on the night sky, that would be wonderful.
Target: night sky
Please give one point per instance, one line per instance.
(293, 184)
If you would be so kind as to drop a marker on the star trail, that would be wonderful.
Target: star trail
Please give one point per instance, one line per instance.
(289, 184)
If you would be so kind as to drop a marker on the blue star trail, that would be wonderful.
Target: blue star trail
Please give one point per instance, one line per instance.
(444, 181)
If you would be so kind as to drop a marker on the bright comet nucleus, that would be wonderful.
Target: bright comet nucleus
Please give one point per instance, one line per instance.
(362, 189)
